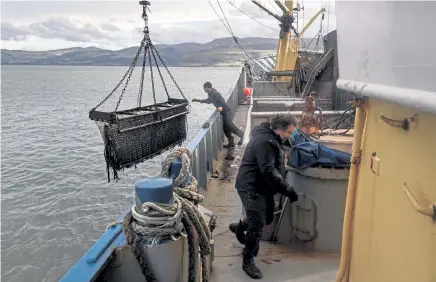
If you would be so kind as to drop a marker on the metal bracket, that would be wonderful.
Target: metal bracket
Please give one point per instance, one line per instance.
(356, 160)
(405, 124)
(117, 258)
(286, 23)
(361, 102)
(375, 163)
(212, 222)
(420, 202)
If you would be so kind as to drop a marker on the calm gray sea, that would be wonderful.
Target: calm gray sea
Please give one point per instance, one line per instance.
(55, 199)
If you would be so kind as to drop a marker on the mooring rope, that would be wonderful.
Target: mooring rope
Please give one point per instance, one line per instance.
(156, 222)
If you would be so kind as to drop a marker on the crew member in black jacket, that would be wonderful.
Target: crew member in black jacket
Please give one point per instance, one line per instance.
(215, 98)
(260, 176)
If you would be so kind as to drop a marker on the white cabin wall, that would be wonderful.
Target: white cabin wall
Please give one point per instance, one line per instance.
(388, 42)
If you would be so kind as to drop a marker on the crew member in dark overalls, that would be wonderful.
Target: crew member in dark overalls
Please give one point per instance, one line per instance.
(260, 176)
(215, 98)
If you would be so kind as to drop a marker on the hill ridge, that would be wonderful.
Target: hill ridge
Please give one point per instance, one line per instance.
(220, 51)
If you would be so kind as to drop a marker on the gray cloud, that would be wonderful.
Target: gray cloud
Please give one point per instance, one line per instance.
(113, 26)
(24, 10)
(190, 31)
(57, 28)
(109, 27)
(256, 12)
(11, 32)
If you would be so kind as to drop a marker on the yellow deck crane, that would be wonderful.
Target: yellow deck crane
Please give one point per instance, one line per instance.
(289, 44)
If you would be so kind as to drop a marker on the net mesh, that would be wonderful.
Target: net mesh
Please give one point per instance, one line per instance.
(139, 134)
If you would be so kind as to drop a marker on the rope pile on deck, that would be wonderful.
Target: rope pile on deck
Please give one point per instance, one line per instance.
(156, 222)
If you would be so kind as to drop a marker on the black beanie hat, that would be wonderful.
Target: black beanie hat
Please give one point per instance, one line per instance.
(207, 85)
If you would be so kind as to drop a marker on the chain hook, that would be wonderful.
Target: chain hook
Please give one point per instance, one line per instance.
(145, 16)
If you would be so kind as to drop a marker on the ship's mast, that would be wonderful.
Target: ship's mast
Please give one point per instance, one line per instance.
(289, 42)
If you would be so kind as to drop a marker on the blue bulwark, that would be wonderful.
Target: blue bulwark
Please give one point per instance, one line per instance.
(195, 141)
(95, 259)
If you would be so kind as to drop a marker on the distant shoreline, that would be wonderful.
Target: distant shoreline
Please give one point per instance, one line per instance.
(222, 52)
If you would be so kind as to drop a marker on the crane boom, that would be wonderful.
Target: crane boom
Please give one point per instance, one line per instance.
(257, 3)
(282, 7)
(288, 46)
(322, 10)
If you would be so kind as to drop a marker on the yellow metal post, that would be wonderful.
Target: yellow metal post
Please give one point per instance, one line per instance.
(282, 54)
(359, 125)
(283, 44)
(291, 53)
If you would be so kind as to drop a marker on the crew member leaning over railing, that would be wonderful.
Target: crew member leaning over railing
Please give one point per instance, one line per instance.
(215, 98)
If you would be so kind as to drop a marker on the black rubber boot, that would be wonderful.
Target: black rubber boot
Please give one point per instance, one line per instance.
(239, 230)
(241, 141)
(231, 143)
(249, 266)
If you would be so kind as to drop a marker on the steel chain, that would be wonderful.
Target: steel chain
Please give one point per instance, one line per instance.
(166, 68)
(160, 74)
(151, 74)
(141, 85)
(131, 72)
(148, 46)
(132, 65)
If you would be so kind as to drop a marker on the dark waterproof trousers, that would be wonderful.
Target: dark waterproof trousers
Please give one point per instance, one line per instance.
(255, 209)
(229, 127)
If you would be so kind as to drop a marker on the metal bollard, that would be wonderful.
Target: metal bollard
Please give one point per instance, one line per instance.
(154, 189)
(174, 171)
(159, 190)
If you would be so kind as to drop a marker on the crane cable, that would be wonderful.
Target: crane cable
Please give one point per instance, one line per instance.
(302, 40)
(251, 17)
(274, 7)
(317, 36)
(229, 29)
(328, 18)
(232, 33)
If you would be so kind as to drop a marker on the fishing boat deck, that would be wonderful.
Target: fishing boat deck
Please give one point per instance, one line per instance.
(277, 262)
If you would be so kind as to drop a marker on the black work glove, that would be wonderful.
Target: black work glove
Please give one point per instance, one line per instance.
(195, 100)
(291, 194)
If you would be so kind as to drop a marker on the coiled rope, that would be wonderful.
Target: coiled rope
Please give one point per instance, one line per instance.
(156, 222)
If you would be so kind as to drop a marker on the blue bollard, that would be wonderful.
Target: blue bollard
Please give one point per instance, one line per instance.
(174, 170)
(158, 190)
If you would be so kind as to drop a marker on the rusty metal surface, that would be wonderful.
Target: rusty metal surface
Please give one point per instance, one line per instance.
(309, 122)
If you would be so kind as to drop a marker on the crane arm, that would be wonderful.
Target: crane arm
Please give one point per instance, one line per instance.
(322, 10)
(290, 5)
(257, 3)
(282, 7)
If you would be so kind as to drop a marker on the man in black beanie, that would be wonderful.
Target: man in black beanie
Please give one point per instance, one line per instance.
(215, 98)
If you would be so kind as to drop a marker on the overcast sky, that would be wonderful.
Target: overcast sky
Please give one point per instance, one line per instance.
(44, 25)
